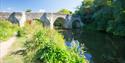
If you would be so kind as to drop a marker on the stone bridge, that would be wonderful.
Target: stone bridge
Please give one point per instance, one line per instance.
(47, 18)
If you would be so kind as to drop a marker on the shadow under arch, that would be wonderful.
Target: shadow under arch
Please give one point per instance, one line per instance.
(76, 24)
(45, 20)
(59, 23)
(13, 19)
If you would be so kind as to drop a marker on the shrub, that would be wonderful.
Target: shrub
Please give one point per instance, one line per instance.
(48, 46)
(119, 28)
(29, 28)
(7, 29)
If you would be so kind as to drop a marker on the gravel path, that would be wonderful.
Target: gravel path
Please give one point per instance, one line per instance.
(4, 46)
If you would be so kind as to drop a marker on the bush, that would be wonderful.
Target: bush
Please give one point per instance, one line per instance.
(7, 29)
(119, 28)
(29, 28)
(48, 46)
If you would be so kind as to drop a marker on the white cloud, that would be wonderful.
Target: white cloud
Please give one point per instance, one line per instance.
(41, 10)
(9, 9)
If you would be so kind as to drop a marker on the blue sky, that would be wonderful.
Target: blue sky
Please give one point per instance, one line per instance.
(38, 5)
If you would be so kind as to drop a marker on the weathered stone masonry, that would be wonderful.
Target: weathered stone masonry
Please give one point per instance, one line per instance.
(47, 18)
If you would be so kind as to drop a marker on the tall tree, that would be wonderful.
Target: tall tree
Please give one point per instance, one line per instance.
(85, 10)
(64, 11)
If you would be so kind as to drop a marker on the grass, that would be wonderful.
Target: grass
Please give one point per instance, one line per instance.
(45, 43)
(14, 55)
(7, 29)
(45, 47)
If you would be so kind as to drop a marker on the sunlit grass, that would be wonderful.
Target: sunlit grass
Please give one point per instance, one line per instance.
(7, 29)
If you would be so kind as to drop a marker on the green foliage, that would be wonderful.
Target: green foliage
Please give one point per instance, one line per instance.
(20, 32)
(88, 3)
(29, 29)
(85, 11)
(65, 11)
(107, 15)
(90, 27)
(102, 17)
(7, 29)
(119, 28)
(46, 47)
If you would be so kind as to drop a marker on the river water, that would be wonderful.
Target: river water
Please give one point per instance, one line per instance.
(104, 48)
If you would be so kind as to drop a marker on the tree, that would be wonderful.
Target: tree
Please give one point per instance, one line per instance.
(64, 11)
(107, 15)
(88, 3)
(85, 11)
(28, 10)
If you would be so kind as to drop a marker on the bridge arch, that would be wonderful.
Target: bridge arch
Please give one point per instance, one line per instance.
(59, 22)
(76, 23)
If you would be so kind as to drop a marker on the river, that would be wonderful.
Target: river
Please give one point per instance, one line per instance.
(105, 48)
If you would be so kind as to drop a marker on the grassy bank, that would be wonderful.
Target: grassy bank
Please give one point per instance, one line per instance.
(7, 29)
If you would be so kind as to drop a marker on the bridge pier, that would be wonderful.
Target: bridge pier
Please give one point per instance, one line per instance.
(22, 20)
(47, 18)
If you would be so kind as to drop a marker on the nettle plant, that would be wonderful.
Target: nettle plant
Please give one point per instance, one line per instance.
(48, 46)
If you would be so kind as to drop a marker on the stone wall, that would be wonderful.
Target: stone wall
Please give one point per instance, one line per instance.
(29, 15)
(47, 18)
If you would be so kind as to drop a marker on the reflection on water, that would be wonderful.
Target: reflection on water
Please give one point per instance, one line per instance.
(105, 48)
